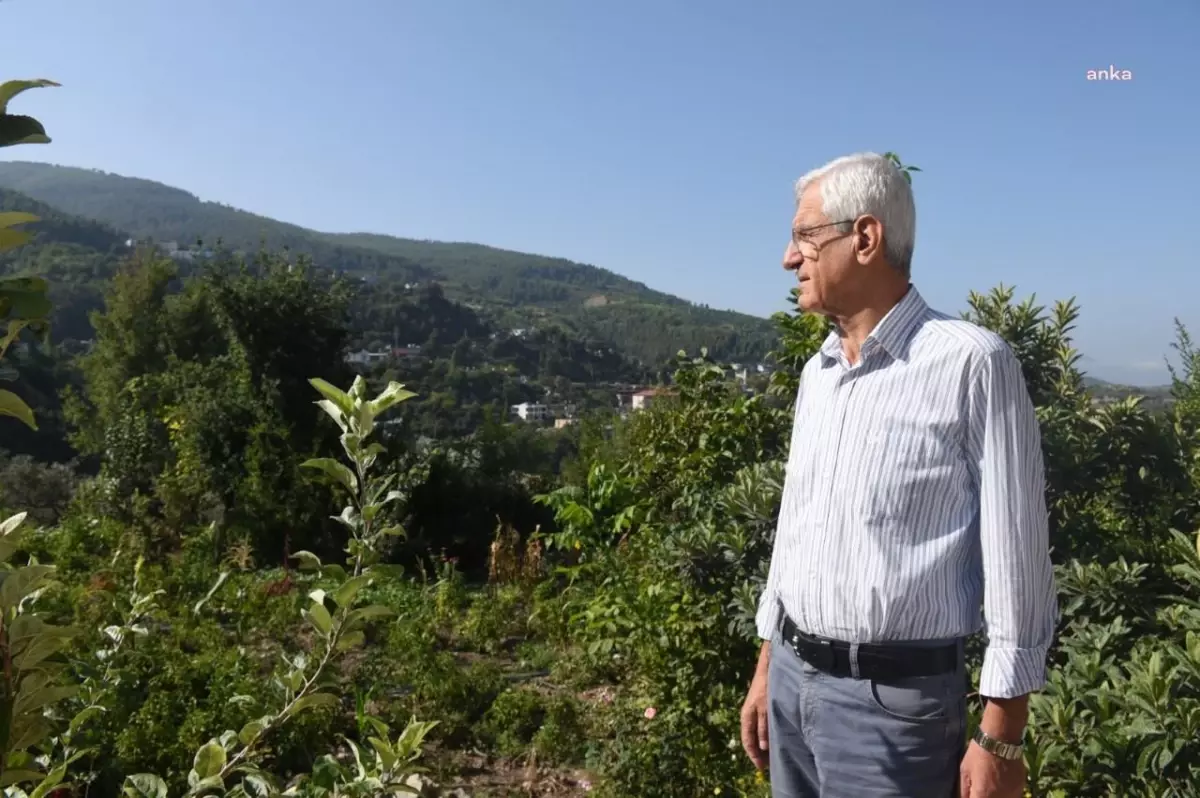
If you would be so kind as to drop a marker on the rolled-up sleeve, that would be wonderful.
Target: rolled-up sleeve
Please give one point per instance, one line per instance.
(768, 617)
(1019, 601)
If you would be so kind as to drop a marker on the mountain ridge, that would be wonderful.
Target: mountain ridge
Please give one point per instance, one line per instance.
(518, 289)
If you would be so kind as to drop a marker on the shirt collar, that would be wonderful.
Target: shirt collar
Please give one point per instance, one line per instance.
(893, 332)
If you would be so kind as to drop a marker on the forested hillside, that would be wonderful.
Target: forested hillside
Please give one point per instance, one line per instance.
(467, 365)
(517, 289)
(78, 256)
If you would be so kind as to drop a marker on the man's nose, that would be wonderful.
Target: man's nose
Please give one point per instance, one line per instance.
(792, 257)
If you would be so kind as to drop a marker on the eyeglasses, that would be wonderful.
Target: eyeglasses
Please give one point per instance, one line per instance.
(803, 235)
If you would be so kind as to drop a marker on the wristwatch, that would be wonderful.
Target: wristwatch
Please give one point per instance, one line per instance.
(1009, 751)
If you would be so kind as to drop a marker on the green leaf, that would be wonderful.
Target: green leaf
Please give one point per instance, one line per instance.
(257, 785)
(52, 780)
(387, 570)
(335, 470)
(14, 218)
(293, 680)
(352, 639)
(14, 329)
(13, 405)
(345, 594)
(209, 760)
(27, 283)
(349, 518)
(392, 395)
(334, 571)
(308, 561)
(334, 412)
(387, 755)
(315, 700)
(16, 129)
(84, 715)
(11, 239)
(340, 400)
(8, 525)
(11, 88)
(31, 731)
(363, 614)
(395, 531)
(13, 776)
(145, 785)
(319, 617)
(21, 582)
(38, 650)
(213, 784)
(409, 741)
(30, 304)
(251, 730)
(35, 699)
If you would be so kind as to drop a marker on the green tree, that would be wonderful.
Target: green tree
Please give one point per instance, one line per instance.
(193, 395)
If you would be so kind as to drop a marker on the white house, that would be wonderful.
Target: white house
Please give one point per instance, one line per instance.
(531, 411)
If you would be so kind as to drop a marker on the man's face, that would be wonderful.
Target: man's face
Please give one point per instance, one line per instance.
(822, 259)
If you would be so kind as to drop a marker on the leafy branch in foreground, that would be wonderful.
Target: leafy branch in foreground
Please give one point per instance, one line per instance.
(338, 623)
(29, 649)
(23, 302)
(355, 415)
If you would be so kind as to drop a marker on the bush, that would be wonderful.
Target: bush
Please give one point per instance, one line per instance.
(495, 620)
(512, 721)
(562, 738)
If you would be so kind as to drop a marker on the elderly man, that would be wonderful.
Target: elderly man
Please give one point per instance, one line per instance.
(913, 512)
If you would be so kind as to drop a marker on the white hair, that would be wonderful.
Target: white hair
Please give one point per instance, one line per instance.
(867, 183)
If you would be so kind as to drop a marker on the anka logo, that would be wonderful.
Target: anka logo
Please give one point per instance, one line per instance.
(1112, 73)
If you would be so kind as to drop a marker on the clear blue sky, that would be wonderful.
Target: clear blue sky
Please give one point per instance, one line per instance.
(661, 139)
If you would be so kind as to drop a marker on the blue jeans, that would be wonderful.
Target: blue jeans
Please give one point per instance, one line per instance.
(834, 737)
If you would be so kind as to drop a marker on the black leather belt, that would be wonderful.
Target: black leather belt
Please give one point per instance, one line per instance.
(876, 661)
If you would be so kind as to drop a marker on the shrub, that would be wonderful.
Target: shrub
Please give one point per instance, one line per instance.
(512, 720)
(562, 738)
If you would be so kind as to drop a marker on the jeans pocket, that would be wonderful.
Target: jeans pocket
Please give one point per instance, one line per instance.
(924, 699)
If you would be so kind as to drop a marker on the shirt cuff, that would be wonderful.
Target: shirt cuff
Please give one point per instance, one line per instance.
(1013, 672)
(768, 617)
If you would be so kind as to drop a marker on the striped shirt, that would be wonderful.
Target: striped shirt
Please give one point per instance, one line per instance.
(913, 507)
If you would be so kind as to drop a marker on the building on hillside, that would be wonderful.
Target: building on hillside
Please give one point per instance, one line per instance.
(175, 252)
(531, 411)
(640, 400)
(625, 393)
(403, 352)
(365, 357)
(559, 423)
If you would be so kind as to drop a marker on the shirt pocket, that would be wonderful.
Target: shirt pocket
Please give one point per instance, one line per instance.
(904, 480)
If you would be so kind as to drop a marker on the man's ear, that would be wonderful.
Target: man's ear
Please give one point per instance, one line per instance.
(868, 237)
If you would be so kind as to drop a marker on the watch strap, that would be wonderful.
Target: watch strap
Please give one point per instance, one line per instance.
(1009, 751)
